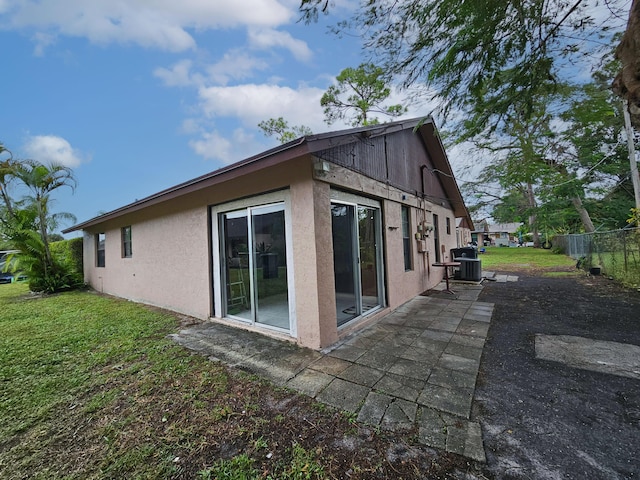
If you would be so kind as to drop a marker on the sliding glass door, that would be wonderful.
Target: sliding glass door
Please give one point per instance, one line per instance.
(357, 259)
(254, 263)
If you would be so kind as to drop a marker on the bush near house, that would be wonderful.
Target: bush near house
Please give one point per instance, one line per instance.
(70, 253)
(63, 272)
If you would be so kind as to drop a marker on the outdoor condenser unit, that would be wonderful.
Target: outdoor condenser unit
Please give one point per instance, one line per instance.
(470, 268)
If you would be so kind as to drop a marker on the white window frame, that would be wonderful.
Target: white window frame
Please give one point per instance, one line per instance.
(281, 196)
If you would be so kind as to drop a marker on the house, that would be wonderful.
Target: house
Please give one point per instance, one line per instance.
(498, 234)
(307, 241)
(463, 231)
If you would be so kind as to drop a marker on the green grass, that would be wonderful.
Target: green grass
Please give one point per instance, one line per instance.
(53, 347)
(303, 466)
(92, 388)
(613, 264)
(524, 258)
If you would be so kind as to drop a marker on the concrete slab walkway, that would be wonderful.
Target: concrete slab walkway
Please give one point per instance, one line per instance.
(417, 366)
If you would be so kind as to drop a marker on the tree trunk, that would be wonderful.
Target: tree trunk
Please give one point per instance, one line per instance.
(627, 82)
(533, 218)
(584, 215)
(43, 233)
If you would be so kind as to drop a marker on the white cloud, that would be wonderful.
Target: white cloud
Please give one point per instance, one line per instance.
(252, 103)
(214, 146)
(53, 149)
(190, 126)
(178, 75)
(235, 65)
(42, 41)
(161, 24)
(266, 38)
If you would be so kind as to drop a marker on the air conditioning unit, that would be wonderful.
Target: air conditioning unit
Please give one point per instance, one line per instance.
(470, 269)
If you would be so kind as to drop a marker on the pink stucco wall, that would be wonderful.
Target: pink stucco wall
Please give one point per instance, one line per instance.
(166, 268)
(171, 262)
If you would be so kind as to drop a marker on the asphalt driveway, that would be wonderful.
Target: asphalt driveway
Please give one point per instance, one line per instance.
(569, 412)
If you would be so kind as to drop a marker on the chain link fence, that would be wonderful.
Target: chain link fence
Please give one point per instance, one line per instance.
(616, 253)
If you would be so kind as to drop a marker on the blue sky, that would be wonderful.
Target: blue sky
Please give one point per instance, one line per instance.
(137, 96)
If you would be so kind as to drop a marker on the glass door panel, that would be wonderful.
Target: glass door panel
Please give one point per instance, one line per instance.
(270, 266)
(237, 264)
(344, 262)
(255, 265)
(356, 259)
(367, 238)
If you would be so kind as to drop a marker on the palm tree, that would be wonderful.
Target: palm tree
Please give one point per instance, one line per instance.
(6, 169)
(41, 180)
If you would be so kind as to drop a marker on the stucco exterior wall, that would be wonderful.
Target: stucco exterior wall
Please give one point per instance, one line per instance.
(313, 263)
(172, 265)
(168, 267)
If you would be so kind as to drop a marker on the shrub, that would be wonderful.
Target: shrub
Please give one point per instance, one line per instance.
(70, 253)
(61, 274)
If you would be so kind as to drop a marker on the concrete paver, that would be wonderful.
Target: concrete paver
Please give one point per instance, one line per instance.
(374, 408)
(400, 414)
(416, 366)
(343, 395)
(401, 387)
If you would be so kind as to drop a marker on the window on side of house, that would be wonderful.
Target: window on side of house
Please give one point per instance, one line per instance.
(406, 238)
(126, 242)
(448, 226)
(100, 240)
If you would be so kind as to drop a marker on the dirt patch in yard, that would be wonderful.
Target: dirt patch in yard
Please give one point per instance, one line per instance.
(545, 419)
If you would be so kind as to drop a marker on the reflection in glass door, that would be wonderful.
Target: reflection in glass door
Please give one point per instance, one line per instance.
(344, 261)
(255, 265)
(436, 238)
(238, 264)
(356, 260)
(367, 238)
(270, 266)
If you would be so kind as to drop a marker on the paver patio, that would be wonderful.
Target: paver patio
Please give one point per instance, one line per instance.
(417, 366)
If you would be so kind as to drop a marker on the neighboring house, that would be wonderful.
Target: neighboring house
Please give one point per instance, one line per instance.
(463, 231)
(498, 234)
(308, 241)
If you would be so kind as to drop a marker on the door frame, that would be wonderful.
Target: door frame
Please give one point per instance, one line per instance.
(218, 280)
(345, 198)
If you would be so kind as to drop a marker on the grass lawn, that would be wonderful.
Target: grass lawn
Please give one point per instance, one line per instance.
(527, 258)
(91, 388)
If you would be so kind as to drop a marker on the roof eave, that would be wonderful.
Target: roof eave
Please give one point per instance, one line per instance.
(282, 153)
(431, 138)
